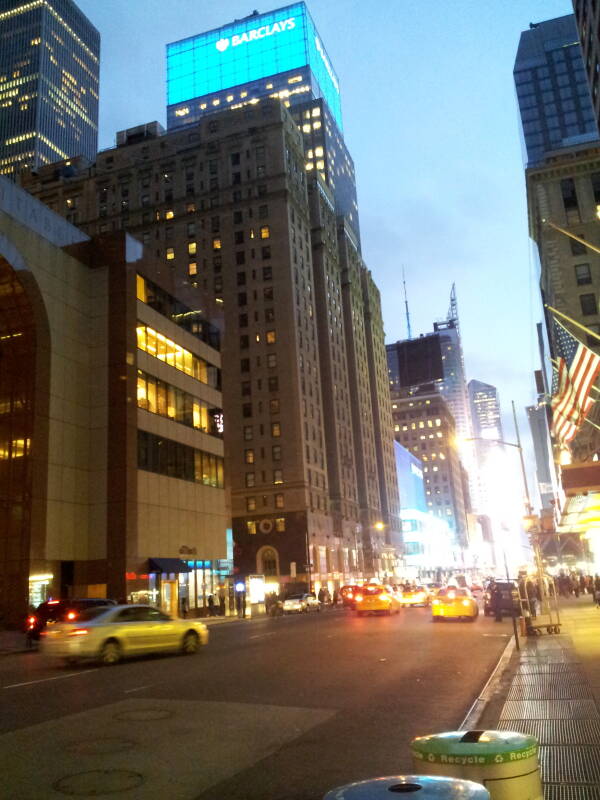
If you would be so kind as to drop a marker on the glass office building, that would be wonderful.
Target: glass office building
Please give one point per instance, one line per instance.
(49, 71)
(554, 98)
(278, 54)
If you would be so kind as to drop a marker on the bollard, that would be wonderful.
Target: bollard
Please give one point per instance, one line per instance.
(419, 787)
(506, 763)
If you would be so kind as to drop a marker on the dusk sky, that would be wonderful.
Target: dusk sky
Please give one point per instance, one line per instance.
(430, 118)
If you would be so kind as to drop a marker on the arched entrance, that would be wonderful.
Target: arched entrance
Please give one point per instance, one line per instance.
(17, 384)
(267, 562)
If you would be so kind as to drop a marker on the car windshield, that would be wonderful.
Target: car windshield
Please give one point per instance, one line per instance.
(295, 597)
(451, 592)
(373, 590)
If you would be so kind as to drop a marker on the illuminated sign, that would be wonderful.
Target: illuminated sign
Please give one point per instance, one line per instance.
(249, 51)
(255, 34)
(416, 471)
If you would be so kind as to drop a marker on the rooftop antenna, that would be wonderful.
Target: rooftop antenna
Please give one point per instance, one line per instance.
(406, 305)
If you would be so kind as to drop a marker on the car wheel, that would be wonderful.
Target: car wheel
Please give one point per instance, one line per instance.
(110, 653)
(190, 643)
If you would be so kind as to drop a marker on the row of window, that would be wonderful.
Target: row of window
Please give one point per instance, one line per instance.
(188, 319)
(254, 526)
(159, 346)
(169, 401)
(176, 460)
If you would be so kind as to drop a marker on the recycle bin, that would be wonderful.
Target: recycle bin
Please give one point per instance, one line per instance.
(419, 787)
(506, 763)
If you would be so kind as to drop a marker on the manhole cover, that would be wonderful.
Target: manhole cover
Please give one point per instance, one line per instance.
(98, 782)
(100, 746)
(144, 714)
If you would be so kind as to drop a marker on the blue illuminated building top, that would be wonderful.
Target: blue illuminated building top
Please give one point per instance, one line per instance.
(238, 58)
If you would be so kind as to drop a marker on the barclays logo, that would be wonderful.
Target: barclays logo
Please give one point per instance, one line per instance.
(222, 45)
(256, 34)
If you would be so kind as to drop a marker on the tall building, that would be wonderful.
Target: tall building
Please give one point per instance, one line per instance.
(414, 361)
(111, 446)
(552, 89)
(424, 425)
(587, 19)
(279, 55)
(49, 70)
(485, 410)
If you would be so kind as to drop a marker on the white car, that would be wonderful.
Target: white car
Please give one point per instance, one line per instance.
(109, 634)
(298, 603)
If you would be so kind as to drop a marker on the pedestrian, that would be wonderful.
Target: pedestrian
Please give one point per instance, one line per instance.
(496, 600)
(222, 601)
(183, 604)
(597, 589)
(531, 592)
(211, 605)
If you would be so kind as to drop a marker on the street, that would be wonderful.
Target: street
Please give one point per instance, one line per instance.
(271, 709)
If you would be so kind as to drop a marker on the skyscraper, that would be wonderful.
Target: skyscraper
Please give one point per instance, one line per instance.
(552, 89)
(278, 54)
(233, 210)
(49, 70)
(587, 17)
(485, 410)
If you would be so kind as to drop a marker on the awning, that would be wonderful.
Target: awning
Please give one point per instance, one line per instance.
(580, 514)
(167, 565)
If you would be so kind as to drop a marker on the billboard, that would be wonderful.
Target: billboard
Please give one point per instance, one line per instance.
(251, 49)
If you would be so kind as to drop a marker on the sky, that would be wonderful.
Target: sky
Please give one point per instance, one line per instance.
(431, 121)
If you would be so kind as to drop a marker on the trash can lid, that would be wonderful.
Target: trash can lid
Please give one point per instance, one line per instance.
(415, 787)
(479, 746)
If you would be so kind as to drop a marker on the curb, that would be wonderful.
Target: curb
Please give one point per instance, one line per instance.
(475, 712)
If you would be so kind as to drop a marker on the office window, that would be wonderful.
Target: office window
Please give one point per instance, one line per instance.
(277, 476)
(271, 360)
(266, 252)
(592, 341)
(243, 320)
(241, 279)
(192, 248)
(244, 342)
(279, 501)
(249, 456)
(248, 433)
(240, 257)
(275, 429)
(578, 249)
(280, 524)
(268, 293)
(250, 480)
(251, 504)
(274, 405)
(242, 300)
(569, 196)
(170, 254)
(238, 217)
(588, 304)
(267, 273)
(263, 211)
(583, 274)
(246, 409)
(265, 232)
(192, 268)
(246, 388)
(251, 526)
(216, 243)
(276, 452)
(273, 383)
(271, 337)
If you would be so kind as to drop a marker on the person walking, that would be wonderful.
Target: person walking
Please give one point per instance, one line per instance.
(211, 605)
(597, 589)
(222, 601)
(496, 601)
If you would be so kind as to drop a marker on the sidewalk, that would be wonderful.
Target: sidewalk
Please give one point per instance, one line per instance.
(12, 642)
(551, 690)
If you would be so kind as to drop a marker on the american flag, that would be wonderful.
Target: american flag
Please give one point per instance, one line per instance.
(574, 375)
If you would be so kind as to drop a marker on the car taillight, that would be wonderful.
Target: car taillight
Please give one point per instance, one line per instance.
(71, 615)
(78, 632)
(466, 603)
(31, 622)
(359, 598)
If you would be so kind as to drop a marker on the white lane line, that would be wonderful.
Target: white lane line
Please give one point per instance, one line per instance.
(137, 689)
(55, 678)
(262, 635)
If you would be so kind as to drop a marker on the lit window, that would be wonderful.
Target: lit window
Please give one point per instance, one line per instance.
(278, 501)
(169, 214)
(229, 98)
(243, 94)
(310, 165)
(251, 504)
(318, 151)
(249, 456)
(280, 524)
(316, 125)
(271, 337)
(216, 102)
(192, 248)
(320, 164)
(216, 243)
(306, 127)
(265, 232)
(251, 526)
(295, 79)
(277, 476)
(202, 106)
(170, 254)
(192, 268)
(275, 429)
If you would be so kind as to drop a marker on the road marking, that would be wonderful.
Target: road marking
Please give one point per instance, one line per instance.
(137, 689)
(261, 635)
(503, 635)
(44, 680)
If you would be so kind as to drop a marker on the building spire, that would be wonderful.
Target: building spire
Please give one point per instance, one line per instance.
(406, 305)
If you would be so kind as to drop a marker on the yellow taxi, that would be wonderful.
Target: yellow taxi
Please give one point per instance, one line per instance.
(454, 602)
(373, 599)
(413, 596)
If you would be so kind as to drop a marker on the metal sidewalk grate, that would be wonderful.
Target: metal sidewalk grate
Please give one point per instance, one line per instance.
(580, 764)
(553, 791)
(556, 731)
(535, 667)
(550, 689)
(549, 709)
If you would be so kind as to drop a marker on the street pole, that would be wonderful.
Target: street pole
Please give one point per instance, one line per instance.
(524, 473)
(308, 565)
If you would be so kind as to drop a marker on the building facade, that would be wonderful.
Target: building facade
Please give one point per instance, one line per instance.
(111, 451)
(485, 410)
(49, 72)
(424, 425)
(587, 20)
(554, 98)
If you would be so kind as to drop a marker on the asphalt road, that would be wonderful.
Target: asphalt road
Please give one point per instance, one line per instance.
(271, 709)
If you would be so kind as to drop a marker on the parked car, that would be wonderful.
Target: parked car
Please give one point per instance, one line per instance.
(454, 602)
(373, 599)
(109, 634)
(53, 611)
(509, 602)
(300, 603)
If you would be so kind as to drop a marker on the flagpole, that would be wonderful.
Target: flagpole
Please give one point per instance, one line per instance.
(573, 322)
(593, 424)
(589, 245)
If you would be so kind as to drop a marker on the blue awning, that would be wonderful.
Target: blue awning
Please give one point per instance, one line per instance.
(167, 565)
